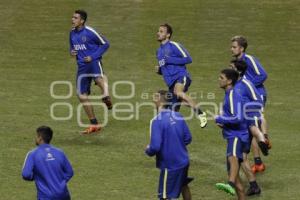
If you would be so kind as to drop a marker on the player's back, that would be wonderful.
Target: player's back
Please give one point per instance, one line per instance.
(50, 171)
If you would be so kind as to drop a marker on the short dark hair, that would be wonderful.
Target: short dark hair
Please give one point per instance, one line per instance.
(83, 14)
(168, 27)
(45, 132)
(166, 97)
(241, 40)
(240, 65)
(231, 74)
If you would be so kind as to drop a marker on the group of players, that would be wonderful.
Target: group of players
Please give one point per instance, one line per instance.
(241, 118)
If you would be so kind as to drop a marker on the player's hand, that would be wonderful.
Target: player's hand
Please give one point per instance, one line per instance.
(220, 125)
(87, 59)
(147, 147)
(74, 52)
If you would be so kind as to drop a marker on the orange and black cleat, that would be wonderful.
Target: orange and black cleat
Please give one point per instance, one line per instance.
(258, 168)
(92, 129)
(108, 102)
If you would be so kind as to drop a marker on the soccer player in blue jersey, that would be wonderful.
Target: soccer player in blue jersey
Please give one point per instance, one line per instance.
(234, 127)
(256, 74)
(172, 60)
(253, 105)
(169, 136)
(49, 167)
(88, 47)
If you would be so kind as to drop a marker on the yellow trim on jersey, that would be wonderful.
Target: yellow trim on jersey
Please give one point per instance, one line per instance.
(251, 89)
(184, 80)
(254, 64)
(179, 48)
(234, 146)
(165, 184)
(231, 102)
(256, 121)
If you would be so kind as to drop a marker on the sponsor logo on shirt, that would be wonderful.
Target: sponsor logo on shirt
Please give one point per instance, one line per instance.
(79, 47)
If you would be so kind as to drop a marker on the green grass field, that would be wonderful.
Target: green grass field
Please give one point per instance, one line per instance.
(34, 53)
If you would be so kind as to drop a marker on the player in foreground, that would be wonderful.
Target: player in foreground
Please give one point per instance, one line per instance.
(49, 167)
(88, 47)
(172, 59)
(169, 136)
(256, 74)
(235, 131)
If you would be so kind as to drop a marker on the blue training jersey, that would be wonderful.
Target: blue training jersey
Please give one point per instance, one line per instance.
(50, 169)
(172, 59)
(255, 71)
(232, 119)
(250, 96)
(169, 137)
(87, 42)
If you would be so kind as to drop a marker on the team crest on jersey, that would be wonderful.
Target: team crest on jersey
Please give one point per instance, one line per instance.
(83, 38)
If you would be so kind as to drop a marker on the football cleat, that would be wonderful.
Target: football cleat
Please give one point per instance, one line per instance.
(253, 191)
(258, 168)
(203, 120)
(267, 140)
(226, 188)
(91, 130)
(264, 148)
(107, 101)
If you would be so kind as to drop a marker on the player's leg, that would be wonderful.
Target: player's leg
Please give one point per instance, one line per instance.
(258, 163)
(186, 193)
(83, 90)
(240, 189)
(102, 82)
(180, 88)
(254, 125)
(254, 188)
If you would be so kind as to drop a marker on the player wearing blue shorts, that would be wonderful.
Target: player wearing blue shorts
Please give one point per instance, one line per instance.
(88, 47)
(256, 74)
(235, 131)
(172, 60)
(252, 106)
(169, 136)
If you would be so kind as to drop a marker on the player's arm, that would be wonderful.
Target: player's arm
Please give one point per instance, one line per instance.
(155, 138)
(235, 108)
(182, 56)
(258, 71)
(27, 171)
(67, 169)
(102, 43)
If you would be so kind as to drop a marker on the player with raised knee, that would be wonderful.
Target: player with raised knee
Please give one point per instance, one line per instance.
(172, 60)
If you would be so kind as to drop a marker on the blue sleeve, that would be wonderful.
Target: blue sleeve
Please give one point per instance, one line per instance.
(156, 138)
(187, 134)
(27, 172)
(67, 168)
(182, 56)
(258, 72)
(102, 43)
(70, 41)
(235, 109)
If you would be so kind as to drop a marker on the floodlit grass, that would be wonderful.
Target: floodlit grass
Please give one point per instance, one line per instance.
(34, 53)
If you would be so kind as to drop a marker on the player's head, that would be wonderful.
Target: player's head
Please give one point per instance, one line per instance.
(79, 18)
(239, 65)
(164, 32)
(238, 45)
(228, 78)
(162, 99)
(44, 135)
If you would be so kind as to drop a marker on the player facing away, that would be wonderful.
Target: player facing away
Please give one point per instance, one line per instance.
(88, 47)
(49, 167)
(169, 136)
(234, 128)
(252, 107)
(172, 60)
(256, 74)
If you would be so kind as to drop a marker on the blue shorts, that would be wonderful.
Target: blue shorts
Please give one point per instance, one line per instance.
(86, 74)
(246, 146)
(254, 121)
(235, 148)
(172, 181)
(176, 102)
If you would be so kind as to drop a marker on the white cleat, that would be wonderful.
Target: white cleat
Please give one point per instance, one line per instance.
(203, 120)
